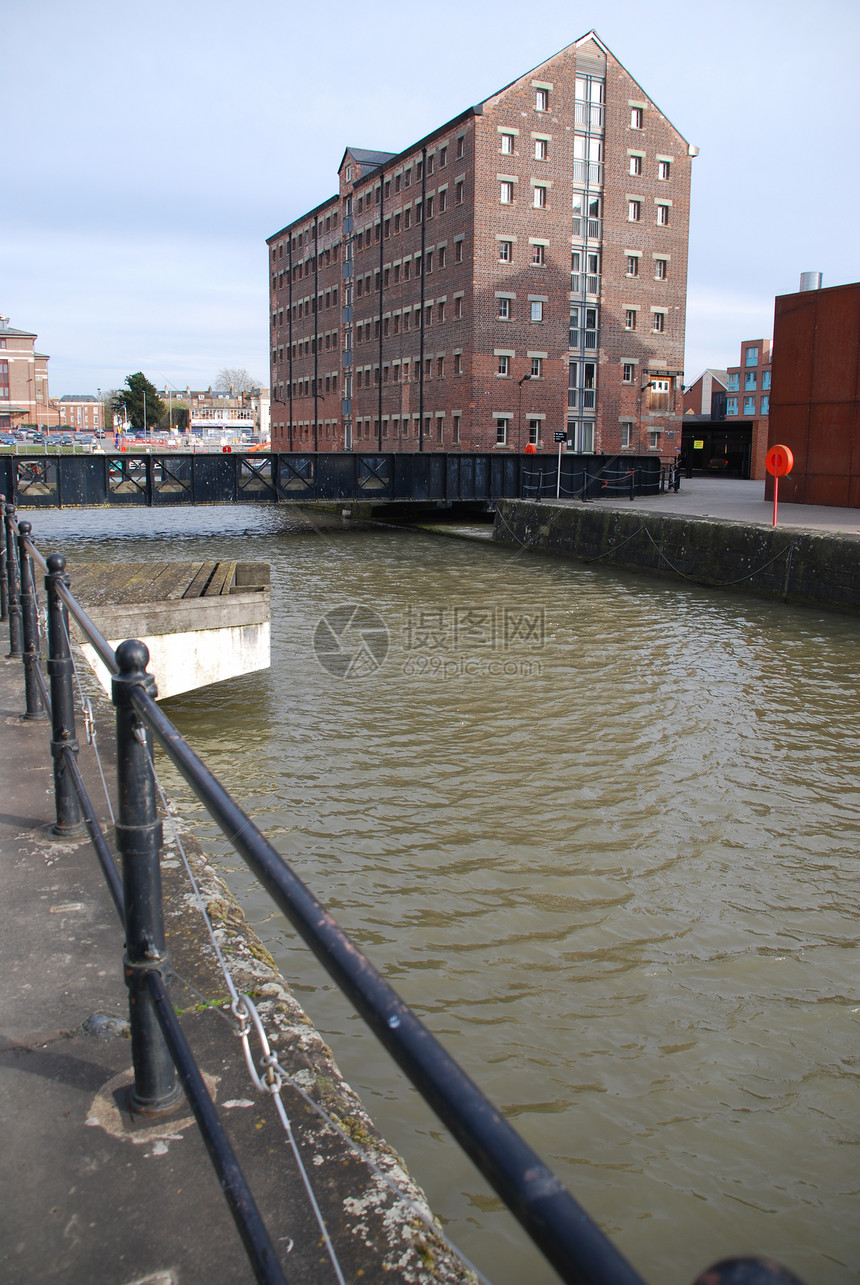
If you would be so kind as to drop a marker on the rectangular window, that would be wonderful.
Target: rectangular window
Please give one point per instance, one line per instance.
(731, 405)
(660, 266)
(654, 439)
(536, 310)
(534, 431)
(504, 367)
(440, 310)
(634, 165)
(636, 117)
(501, 432)
(443, 200)
(458, 251)
(458, 308)
(733, 382)
(458, 363)
(630, 319)
(440, 367)
(659, 323)
(443, 157)
(506, 193)
(626, 436)
(541, 149)
(751, 357)
(455, 428)
(627, 372)
(459, 189)
(663, 169)
(634, 211)
(662, 214)
(765, 404)
(765, 379)
(539, 198)
(537, 367)
(461, 147)
(749, 405)
(507, 144)
(542, 100)
(633, 265)
(538, 255)
(506, 251)
(750, 381)
(504, 309)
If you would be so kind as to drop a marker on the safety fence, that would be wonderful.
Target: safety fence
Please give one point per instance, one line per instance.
(586, 478)
(163, 1062)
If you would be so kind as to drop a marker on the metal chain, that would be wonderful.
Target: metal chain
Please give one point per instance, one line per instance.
(89, 720)
(274, 1076)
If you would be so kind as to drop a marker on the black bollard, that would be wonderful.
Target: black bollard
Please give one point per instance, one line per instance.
(4, 583)
(139, 839)
(747, 1271)
(16, 631)
(30, 618)
(60, 671)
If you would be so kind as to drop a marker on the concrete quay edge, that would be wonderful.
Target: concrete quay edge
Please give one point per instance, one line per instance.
(715, 536)
(93, 1194)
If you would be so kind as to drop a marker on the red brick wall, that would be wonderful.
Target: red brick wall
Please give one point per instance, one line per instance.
(620, 292)
(479, 394)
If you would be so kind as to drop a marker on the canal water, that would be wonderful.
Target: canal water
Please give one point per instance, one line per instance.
(600, 831)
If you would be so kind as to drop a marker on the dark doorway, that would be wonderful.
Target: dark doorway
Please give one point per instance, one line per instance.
(718, 450)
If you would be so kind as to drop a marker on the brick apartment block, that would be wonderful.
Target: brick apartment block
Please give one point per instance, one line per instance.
(23, 378)
(520, 271)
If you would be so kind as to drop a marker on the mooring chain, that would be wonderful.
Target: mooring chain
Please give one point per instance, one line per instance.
(272, 1076)
(89, 721)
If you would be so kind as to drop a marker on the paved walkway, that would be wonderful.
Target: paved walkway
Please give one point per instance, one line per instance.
(740, 501)
(93, 1195)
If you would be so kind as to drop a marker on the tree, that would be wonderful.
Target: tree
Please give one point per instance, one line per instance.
(236, 379)
(140, 400)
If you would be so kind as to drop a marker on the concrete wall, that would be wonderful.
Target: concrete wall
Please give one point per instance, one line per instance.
(795, 566)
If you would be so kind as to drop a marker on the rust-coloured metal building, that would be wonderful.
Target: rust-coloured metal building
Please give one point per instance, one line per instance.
(815, 400)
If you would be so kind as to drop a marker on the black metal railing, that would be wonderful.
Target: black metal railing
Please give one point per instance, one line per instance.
(559, 1227)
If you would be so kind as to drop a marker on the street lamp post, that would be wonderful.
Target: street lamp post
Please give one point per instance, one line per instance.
(520, 408)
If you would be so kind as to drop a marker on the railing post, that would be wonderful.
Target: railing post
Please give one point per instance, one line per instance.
(60, 671)
(30, 619)
(139, 839)
(4, 583)
(16, 634)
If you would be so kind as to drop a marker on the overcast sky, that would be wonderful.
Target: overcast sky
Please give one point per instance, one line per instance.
(150, 148)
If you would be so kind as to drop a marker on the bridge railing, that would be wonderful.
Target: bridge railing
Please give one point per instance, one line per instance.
(560, 1228)
(165, 479)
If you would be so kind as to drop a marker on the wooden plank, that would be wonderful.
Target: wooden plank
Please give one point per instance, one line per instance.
(200, 581)
(176, 579)
(221, 580)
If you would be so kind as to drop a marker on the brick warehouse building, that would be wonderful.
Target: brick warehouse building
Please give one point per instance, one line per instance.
(519, 271)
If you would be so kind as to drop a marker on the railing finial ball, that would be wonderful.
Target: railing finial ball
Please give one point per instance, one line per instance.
(55, 562)
(132, 656)
(24, 528)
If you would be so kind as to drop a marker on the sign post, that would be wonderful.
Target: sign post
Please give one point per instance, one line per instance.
(558, 437)
(779, 461)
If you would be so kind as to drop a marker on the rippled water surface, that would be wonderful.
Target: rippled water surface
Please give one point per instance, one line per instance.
(602, 833)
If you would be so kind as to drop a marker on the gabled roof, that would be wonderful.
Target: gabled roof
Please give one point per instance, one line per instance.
(721, 376)
(363, 156)
(24, 334)
(584, 40)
